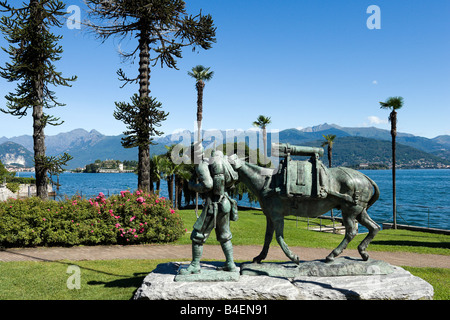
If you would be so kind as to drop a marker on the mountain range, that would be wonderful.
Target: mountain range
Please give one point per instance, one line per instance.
(352, 145)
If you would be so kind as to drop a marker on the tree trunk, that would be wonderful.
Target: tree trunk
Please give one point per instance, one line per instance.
(330, 154)
(180, 191)
(144, 82)
(38, 111)
(200, 85)
(170, 187)
(265, 145)
(393, 118)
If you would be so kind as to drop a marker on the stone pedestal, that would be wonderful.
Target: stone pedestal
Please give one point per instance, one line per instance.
(343, 279)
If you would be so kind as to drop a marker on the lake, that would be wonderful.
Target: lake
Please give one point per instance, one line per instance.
(422, 195)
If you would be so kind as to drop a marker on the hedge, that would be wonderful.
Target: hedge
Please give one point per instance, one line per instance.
(128, 218)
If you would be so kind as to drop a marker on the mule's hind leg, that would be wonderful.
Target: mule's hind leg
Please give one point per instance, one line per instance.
(267, 240)
(350, 233)
(373, 228)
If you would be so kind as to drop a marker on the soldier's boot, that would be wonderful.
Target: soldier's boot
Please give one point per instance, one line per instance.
(194, 267)
(229, 265)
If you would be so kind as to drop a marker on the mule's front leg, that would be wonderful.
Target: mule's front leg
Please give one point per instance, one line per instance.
(267, 240)
(279, 227)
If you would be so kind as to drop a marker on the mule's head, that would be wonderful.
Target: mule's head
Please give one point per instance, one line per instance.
(235, 162)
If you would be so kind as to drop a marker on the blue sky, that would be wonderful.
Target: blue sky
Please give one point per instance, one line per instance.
(300, 62)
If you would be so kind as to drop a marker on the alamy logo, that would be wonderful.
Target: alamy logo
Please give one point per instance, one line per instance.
(374, 21)
(74, 19)
(74, 281)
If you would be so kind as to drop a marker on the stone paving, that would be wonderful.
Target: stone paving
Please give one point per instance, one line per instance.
(211, 252)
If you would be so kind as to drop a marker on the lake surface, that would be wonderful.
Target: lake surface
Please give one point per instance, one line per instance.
(423, 196)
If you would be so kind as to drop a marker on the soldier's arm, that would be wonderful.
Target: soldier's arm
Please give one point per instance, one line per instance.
(205, 180)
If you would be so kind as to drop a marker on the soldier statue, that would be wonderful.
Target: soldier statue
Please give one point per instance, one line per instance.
(215, 176)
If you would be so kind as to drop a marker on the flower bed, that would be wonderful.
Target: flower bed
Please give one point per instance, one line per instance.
(120, 219)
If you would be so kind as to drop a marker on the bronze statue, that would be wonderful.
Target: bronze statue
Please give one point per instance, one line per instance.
(309, 189)
(215, 176)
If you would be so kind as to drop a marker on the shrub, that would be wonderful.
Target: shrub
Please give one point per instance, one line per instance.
(120, 219)
(13, 186)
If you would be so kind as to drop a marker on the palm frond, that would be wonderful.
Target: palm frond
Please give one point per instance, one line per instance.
(201, 73)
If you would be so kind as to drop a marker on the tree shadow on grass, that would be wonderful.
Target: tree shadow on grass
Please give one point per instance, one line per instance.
(135, 281)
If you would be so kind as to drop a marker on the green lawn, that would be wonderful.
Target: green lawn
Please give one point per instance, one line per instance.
(118, 279)
(251, 226)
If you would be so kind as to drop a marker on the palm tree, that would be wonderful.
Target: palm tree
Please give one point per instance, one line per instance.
(155, 172)
(262, 122)
(393, 103)
(329, 141)
(169, 168)
(200, 74)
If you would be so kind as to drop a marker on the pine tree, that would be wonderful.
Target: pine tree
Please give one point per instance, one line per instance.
(33, 49)
(162, 28)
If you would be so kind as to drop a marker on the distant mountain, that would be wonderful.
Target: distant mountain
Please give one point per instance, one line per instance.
(354, 151)
(15, 154)
(439, 146)
(353, 145)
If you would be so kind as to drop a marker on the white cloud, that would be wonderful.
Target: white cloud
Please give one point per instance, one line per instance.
(374, 82)
(377, 120)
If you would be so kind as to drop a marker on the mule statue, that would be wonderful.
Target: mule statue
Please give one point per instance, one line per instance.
(309, 189)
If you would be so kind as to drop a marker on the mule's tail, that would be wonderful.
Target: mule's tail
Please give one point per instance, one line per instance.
(375, 195)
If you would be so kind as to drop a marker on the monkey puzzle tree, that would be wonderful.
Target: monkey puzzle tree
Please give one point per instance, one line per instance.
(142, 116)
(162, 27)
(33, 50)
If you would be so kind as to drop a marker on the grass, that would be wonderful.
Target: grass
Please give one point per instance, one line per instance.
(251, 226)
(118, 279)
(100, 279)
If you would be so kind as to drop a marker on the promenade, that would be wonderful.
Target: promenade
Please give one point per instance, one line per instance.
(211, 252)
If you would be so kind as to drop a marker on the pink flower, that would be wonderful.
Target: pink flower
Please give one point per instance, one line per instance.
(43, 219)
(111, 212)
(117, 225)
(135, 235)
(132, 218)
(101, 195)
(138, 192)
(172, 211)
(140, 199)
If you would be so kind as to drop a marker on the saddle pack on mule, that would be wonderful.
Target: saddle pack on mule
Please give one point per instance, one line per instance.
(301, 179)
